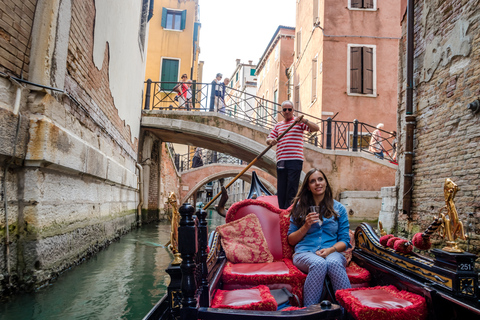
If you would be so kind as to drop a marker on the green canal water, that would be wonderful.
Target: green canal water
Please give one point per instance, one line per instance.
(123, 281)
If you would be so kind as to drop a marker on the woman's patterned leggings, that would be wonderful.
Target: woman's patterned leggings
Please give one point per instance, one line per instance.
(317, 268)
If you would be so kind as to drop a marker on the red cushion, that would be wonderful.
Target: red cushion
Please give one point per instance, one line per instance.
(295, 278)
(357, 274)
(243, 241)
(266, 268)
(257, 298)
(269, 217)
(273, 200)
(385, 303)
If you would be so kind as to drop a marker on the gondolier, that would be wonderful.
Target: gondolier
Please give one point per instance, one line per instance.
(289, 153)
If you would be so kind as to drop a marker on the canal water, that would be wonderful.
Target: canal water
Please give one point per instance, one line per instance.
(123, 281)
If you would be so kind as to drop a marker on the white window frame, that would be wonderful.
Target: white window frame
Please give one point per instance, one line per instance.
(277, 51)
(374, 63)
(375, 7)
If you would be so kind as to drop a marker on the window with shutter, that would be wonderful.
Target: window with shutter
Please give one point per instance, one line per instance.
(299, 43)
(361, 71)
(297, 97)
(367, 70)
(314, 79)
(169, 73)
(355, 70)
(363, 4)
(315, 11)
(173, 19)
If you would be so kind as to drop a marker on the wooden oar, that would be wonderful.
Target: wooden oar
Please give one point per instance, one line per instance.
(252, 163)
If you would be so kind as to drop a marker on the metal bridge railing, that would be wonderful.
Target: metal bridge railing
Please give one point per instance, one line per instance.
(352, 136)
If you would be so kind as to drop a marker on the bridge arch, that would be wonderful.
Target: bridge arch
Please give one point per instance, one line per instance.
(190, 178)
(346, 170)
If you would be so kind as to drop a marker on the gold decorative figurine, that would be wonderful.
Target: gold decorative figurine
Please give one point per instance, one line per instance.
(175, 220)
(452, 227)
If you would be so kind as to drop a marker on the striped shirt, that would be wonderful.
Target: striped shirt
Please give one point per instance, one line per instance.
(290, 146)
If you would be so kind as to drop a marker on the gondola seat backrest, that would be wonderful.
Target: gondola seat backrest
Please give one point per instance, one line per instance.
(274, 222)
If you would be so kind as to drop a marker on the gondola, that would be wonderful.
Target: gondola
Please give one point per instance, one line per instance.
(446, 284)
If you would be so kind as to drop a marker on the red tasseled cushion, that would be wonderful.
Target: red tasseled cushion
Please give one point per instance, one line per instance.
(384, 239)
(420, 242)
(357, 274)
(382, 303)
(391, 241)
(257, 298)
(403, 246)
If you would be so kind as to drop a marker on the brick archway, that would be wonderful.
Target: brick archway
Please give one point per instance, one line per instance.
(193, 179)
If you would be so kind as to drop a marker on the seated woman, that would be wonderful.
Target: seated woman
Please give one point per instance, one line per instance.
(319, 238)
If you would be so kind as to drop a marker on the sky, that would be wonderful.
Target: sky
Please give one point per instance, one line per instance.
(233, 29)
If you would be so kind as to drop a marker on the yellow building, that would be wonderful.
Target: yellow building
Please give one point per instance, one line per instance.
(173, 41)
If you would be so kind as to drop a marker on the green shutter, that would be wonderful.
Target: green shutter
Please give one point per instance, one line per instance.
(252, 72)
(195, 30)
(169, 73)
(164, 17)
(355, 70)
(184, 19)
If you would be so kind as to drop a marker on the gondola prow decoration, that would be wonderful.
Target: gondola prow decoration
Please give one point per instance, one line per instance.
(452, 227)
(174, 220)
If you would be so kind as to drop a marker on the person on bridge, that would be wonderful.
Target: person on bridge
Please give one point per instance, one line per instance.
(197, 158)
(216, 96)
(289, 153)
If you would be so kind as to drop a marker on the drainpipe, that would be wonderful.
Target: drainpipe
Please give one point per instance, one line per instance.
(410, 118)
(140, 190)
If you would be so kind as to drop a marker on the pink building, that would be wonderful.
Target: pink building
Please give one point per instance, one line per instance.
(346, 57)
(272, 83)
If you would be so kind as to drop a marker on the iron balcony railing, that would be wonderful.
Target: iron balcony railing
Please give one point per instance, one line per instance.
(333, 134)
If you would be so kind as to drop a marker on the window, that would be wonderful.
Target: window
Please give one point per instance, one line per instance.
(299, 43)
(169, 73)
(315, 11)
(173, 19)
(363, 4)
(361, 76)
(236, 77)
(276, 51)
(275, 105)
(297, 97)
(268, 65)
(314, 79)
(252, 72)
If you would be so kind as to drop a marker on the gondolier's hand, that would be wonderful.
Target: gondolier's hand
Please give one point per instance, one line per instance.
(271, 142)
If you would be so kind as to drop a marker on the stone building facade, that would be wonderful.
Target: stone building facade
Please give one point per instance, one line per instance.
(447, 133)
(345, 60)
(69, 176)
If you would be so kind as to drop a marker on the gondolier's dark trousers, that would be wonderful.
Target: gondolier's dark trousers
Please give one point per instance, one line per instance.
(288, 177)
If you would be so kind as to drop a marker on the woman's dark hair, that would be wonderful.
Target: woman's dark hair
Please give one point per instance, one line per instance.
(304, 199)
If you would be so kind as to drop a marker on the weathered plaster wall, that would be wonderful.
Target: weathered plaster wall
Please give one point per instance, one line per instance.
(72, 183)
(447, 134)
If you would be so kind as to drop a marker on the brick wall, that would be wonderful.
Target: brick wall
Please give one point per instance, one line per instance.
(447, 134)
(16, 19)
(89, 85)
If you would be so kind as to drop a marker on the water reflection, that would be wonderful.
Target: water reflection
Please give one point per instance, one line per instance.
(124, 281)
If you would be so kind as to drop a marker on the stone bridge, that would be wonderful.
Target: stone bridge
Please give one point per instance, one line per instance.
(346, 170)
(193, 179)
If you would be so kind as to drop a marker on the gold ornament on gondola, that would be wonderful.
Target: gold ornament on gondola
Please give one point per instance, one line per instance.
(174, 222)
(452, 227)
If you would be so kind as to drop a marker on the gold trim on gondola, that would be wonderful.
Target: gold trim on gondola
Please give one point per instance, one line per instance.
(174, 220)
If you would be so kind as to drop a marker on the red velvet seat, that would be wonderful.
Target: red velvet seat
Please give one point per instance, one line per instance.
(257, 298)
(358, 276)
(275, 223)
(385, 303)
